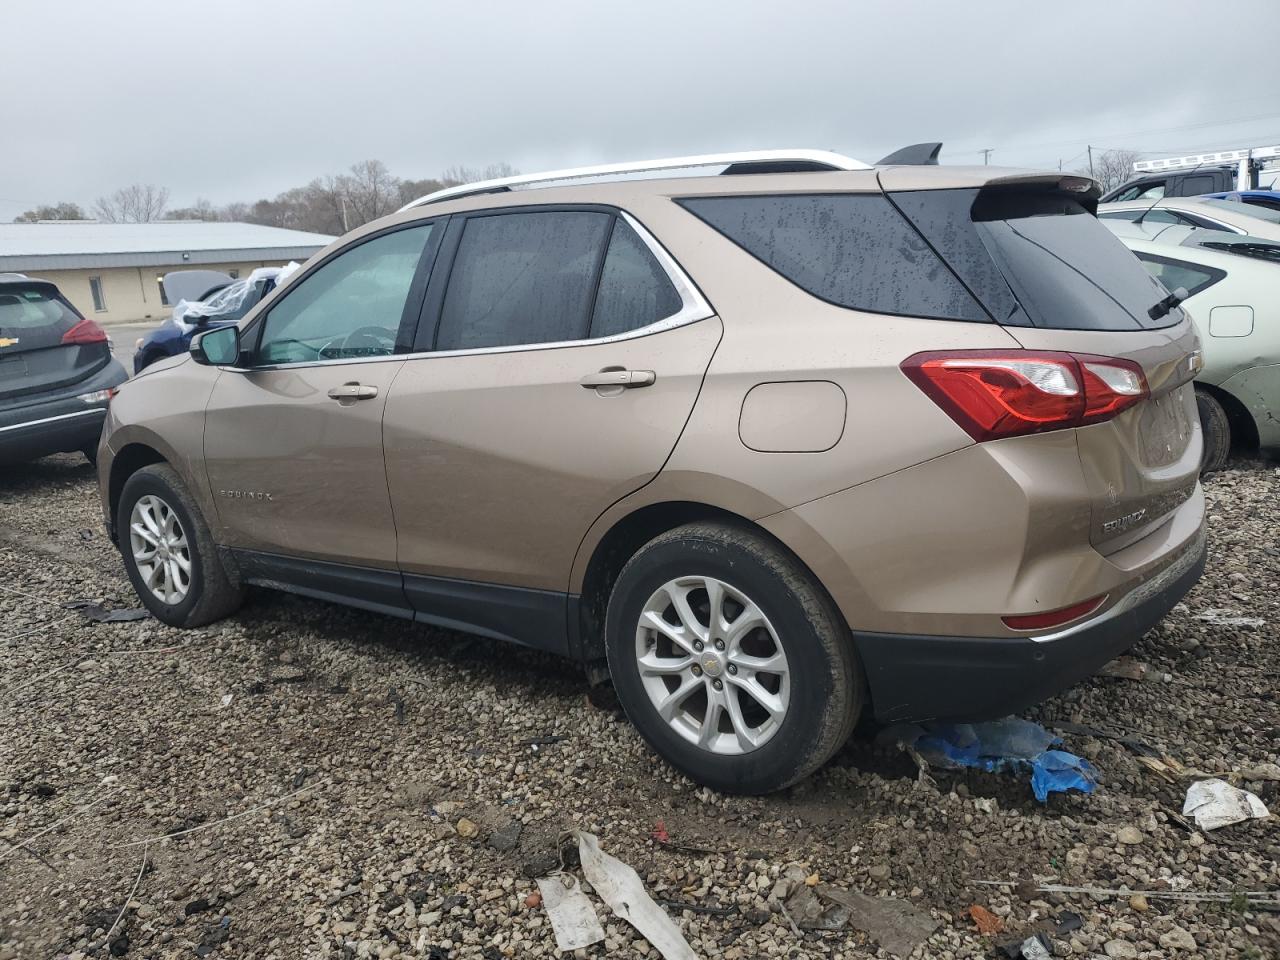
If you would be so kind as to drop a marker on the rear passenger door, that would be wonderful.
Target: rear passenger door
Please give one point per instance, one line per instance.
(559, 355)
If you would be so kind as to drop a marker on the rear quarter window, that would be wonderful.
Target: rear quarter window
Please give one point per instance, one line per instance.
(852, 250)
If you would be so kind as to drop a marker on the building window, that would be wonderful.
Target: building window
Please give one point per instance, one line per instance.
(233, 274)
(95, 288)
(160, 283)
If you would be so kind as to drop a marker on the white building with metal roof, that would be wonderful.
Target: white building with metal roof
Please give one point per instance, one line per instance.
(111, 271)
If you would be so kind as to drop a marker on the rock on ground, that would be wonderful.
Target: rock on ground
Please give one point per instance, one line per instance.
(353, 745)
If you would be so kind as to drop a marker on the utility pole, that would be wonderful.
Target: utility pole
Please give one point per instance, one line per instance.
(345, 228)
(1090, 148)
(986, 155)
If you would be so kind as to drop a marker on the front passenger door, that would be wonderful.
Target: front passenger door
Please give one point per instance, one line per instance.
(293, 441)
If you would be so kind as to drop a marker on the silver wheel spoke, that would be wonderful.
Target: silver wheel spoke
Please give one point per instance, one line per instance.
(746, 739)
(680, 600)
(771, 702)
(677, 635)
(711, 719)
(143, 533)
(653, 665)
(668, 706)
(749, 619)
(775, 663)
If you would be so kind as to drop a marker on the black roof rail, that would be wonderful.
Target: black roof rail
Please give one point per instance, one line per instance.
(916, 155)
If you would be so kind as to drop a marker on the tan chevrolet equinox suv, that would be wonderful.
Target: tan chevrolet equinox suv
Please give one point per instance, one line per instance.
(768, 443)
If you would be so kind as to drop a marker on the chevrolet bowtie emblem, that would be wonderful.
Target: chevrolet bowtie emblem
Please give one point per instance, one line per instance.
(8, 341)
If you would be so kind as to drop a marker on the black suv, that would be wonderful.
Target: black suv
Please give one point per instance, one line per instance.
(56, 373)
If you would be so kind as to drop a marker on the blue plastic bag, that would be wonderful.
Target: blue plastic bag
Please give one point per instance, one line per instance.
(1011, 745)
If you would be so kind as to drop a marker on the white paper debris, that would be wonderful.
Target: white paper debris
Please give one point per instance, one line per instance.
(1225, 617)
(1216, 803)
(1033, 949)
(226, 700)
(573, 918)
(622, 889)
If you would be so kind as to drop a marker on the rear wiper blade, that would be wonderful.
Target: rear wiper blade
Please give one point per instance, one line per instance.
(1163, 307)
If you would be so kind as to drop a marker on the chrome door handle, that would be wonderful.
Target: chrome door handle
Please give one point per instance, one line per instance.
(352, 391)
(619, 378)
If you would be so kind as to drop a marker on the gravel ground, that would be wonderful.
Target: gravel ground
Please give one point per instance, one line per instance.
(350, 749)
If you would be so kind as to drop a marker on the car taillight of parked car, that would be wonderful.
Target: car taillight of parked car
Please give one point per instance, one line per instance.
(86, 331)
(1007, 393)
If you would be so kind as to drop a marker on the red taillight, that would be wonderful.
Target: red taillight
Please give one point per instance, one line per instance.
(1007, 393)
(1054, 618)
(86, 331)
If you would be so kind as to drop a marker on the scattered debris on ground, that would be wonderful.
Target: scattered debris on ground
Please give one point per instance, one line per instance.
(1011, 745)
(1215, 803)
(304, 819)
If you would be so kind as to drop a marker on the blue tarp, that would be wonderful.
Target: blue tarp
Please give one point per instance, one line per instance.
(1010, 745)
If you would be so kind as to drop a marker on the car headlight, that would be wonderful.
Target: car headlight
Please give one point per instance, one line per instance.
(137, 344)
(97, 396)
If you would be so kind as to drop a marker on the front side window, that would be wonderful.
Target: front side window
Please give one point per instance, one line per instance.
(350, 307)
(853, 250)
(1178, 273)
(523, 278)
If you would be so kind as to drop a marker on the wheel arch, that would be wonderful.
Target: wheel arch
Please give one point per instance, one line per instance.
(619, 543)
(131, 458)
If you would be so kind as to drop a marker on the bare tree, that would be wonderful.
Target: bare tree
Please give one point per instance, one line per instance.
(369, 191)
(336, 204)
(202, 209)
(457, 174)
(56, 211)
(1114, 167)
(139, 203)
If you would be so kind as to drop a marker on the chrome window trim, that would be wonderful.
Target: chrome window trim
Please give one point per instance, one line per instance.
(694, 308)
(95, 412)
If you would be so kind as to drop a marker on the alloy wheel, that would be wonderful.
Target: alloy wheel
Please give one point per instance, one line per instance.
(160, 549)
(712, 665)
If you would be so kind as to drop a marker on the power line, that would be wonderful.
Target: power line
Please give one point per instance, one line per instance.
(1129, 133)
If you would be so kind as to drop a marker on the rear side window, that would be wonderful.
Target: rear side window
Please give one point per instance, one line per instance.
(1178, 273)
(634, 289)
(523, 278)
(1037, 258)
(32, 318)
(853, 250)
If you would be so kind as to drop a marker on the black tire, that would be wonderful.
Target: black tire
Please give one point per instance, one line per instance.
(1216, 429)
(826, 683)
(212, 593)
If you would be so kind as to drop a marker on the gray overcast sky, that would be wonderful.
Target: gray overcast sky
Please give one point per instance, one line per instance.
(240, 99)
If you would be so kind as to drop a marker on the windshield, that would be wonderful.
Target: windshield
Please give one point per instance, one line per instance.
(32, 317)
(1247, 210)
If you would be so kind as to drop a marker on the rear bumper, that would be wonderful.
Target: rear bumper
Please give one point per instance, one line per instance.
(973, 678)
(57, 424)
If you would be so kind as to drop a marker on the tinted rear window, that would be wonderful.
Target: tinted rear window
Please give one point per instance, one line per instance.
(523, 278)
(32, 317)
(853, 250)
(1039, 259)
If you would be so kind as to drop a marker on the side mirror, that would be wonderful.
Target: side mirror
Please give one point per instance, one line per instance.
(216, 348)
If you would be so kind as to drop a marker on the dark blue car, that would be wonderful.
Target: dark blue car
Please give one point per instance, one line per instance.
(1259, 198)
(221, 308)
